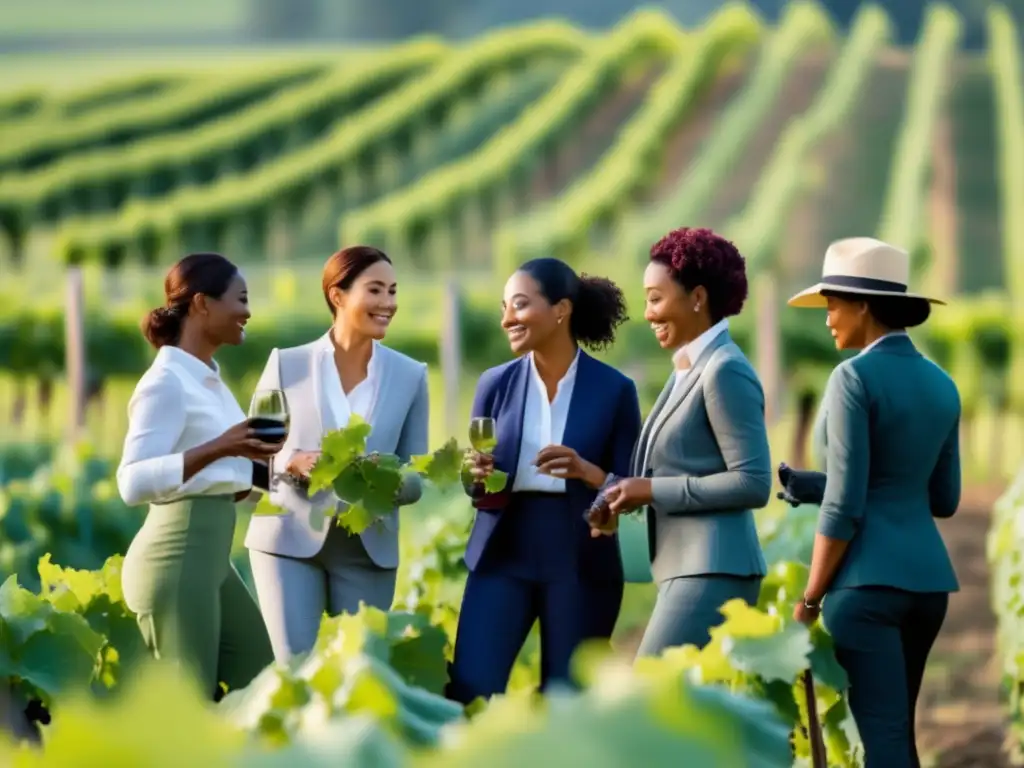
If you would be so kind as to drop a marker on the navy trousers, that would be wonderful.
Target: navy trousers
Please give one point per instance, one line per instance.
(528, 573)
(882, 639)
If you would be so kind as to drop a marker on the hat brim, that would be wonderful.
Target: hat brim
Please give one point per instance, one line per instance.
(811, 298)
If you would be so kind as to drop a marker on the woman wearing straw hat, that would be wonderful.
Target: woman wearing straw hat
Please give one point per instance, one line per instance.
(892, 461)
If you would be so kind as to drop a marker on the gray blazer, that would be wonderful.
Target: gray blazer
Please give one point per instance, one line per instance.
(710, 467)
(400, 422)
(890, 427)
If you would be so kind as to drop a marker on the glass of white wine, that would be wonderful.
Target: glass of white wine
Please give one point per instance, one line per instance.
(482, 435)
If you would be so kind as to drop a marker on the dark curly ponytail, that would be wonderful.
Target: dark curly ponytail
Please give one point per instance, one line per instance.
(598, 304)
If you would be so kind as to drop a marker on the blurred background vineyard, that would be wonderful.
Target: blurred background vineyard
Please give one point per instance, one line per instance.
(465, 136)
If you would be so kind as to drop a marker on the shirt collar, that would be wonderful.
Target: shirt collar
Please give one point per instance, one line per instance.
(880, 339)
(325, 345)
(190, 364)
(570, 375)
(696, 348)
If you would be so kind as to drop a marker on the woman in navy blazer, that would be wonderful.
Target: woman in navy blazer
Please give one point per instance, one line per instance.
(565, 423)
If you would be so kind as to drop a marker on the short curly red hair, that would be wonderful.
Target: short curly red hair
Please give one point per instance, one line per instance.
(697, 256)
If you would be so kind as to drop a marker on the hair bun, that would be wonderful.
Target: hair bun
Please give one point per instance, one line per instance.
(162, 326)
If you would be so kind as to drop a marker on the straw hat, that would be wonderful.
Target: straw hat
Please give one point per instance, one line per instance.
(861, 265)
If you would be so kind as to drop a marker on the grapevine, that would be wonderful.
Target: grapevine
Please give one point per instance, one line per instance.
(369, 484)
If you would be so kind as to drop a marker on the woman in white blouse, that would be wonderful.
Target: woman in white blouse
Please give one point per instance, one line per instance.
(303, 563)
(189, 454)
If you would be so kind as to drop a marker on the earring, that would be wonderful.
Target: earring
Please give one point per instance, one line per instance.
(696, 307)
(560, 320)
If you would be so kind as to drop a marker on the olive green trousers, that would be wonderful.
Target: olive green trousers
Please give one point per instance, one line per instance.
(192, 606)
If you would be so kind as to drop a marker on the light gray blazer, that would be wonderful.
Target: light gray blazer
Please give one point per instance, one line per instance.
(710, 467)
(400, 425)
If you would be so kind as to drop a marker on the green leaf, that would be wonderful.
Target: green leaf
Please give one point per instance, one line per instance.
(782, 656)
(350, 486)
(824, 665)
(443, 466)
(338, 449)
(418, 651)
(385, 478)
(356, 518)
(265, 508)
(496, 481)
(24, 613)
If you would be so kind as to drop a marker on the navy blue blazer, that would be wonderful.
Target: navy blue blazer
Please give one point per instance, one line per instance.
(603, 425)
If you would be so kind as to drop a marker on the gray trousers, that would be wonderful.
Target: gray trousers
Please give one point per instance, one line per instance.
(687, 609)
(294, 593)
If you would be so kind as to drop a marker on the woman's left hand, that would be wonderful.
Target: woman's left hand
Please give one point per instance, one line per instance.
(629, 494)
(806, 615)
(563, 462)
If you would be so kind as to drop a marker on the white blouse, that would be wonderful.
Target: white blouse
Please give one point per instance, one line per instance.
(543, 425)
(178, 404)
(363, 397)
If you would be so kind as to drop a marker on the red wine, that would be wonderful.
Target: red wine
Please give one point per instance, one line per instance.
(269, 430)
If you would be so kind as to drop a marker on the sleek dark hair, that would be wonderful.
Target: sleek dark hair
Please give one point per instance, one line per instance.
(598, 306)
(897, 313)
(344, 266)
(207, 273)
(697, 256)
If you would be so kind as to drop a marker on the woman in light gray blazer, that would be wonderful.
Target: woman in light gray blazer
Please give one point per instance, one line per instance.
(701, 464)
(303, 563)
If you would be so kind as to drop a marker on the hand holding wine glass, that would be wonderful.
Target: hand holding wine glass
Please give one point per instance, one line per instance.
(241, 440)
(483, 438)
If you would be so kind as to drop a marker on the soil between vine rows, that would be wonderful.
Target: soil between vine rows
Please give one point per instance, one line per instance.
(961, 718)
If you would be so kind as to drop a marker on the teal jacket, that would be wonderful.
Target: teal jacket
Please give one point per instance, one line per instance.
(891, 422)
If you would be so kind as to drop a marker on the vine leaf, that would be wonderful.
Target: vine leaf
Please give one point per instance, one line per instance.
(338, 449)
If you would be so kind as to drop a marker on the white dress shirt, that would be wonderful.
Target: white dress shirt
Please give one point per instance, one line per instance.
(363, 397)
(543, 425)
(178, 404)
(683, 360)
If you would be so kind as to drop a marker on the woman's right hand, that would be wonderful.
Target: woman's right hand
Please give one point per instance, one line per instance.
(480, 465)
(241, 440)
(302, 463)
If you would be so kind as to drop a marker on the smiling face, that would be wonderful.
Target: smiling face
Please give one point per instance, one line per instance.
(224, 319)
(370, 303)
(674, 313)
(528, 318)
(848, 322)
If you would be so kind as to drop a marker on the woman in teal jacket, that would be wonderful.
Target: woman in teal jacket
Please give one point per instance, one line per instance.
(880, 573)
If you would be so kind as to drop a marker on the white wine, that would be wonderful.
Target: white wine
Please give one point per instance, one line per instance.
(482, 435)
(485, 445)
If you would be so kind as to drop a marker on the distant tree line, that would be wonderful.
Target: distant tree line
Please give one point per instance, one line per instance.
(392, 19)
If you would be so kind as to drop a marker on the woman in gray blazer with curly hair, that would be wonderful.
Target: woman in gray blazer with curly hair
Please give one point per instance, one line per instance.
(702, 464)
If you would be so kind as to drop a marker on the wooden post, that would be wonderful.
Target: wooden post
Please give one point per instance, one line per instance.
(451, 358)
(74, 350)
(766, 344)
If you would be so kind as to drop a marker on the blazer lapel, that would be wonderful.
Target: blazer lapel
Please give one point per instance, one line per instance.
(641, 444)
(385, 384)
(316, 379)
(510, 421)
(679, 393)
(585, 393)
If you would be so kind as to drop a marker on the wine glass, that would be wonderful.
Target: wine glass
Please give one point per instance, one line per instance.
(482, 435)
(268, 415)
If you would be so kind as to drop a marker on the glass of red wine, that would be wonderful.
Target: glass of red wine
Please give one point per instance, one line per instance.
(268, 415)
